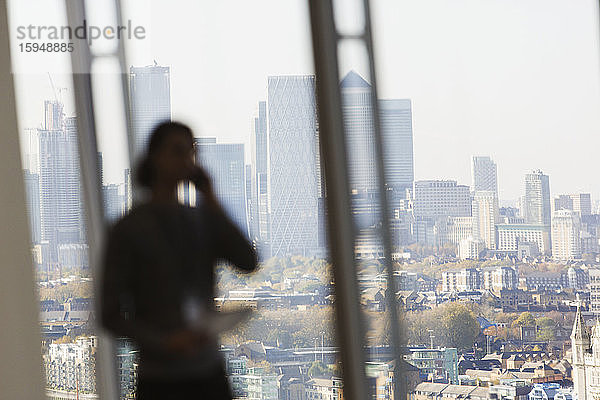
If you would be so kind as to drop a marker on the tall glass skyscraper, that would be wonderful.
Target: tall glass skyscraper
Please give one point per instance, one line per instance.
(397, 137)
(537, 198)
(292, 188)
(150, 94)
(224, 163)
(484, 174)
(32, 192)
(60, 189)
(258, 205)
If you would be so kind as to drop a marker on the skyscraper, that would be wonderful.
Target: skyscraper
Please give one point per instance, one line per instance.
(566, 231)
(537, 198)
(114, 203)
(485, 217)
(224, 163)
(396, 133)
(150, 94)
(60, 190)
(484, 174)
(292, 188)
(397, 136)
(32, 192)
(259, 207)
(562, 202)
(582, 203)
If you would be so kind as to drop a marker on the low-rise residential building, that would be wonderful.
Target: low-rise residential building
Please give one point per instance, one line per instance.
(435, 364)
(324, 388)
(467, 279)
(254, 386)
(545, 281)
(435, 391)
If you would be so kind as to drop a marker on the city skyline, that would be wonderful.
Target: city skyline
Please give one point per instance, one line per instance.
(30, 161)
(502, 93)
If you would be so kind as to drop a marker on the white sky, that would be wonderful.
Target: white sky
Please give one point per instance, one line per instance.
(514, 79)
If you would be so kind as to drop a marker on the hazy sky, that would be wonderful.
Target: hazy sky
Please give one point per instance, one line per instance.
(513, 79)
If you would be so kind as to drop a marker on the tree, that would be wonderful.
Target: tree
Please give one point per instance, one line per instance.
(546, 329)
(525, 319)
(318, 369)
(459, 327)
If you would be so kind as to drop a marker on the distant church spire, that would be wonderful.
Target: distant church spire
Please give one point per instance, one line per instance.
(580, 332)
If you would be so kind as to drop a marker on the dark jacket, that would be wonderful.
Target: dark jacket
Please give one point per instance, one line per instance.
(155, 258)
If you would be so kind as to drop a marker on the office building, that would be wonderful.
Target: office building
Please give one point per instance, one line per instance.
(582, 203)
(150, 94)
(292, 180)
(537, 198)
(396, 134)
(32, 193)
(511, 236)
(562, 202)
(434, 199)
(451, 230)
(485, 217)
(224, 162)
(566, 235)
(395, 116)
(259, 206)
(114, 202)
(484, 174)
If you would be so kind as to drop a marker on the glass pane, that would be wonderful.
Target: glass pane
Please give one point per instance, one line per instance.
(244, 83)
(49, 143)
(499, 225)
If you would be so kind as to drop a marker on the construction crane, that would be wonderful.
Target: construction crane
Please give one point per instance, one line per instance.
(60, 90)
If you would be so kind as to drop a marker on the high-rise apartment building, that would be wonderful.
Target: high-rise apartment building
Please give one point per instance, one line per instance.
(150, 94)
(537, 198)
(396, 134)
(292, 180)
(566, 235)
(434, 199)
(60, 189)
(484, 174)
(224, 163)
(485, 217)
